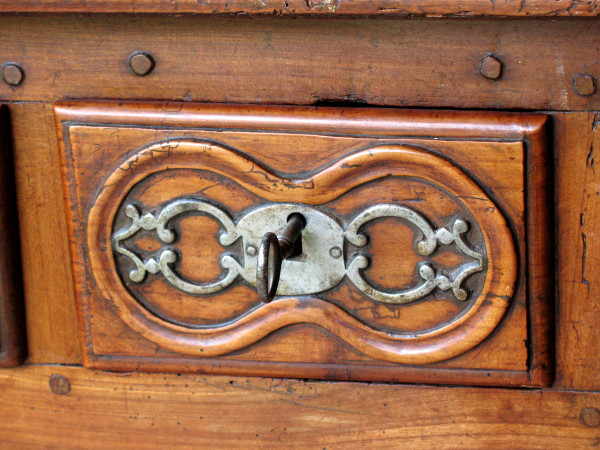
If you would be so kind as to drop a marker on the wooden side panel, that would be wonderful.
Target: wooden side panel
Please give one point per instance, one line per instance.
(49, 298)
(577, 143)
(12, 330)
(192, 411)
(403, 63)
(427, 8)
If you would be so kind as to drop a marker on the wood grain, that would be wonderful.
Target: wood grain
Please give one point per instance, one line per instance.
(104, 161)
(425, 8)
(540, 247)
(421, 63)
(49, 296)
(331, 182)
(12, 315)
(577, 140)
(403, 63)
(192, 411)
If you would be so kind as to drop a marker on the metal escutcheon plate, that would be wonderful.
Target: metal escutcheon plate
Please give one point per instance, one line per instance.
(321, 264)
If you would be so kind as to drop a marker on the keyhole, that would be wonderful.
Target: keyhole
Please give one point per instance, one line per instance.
(297, 253)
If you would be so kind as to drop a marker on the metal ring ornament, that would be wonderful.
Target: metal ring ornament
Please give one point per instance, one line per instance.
(268, 269)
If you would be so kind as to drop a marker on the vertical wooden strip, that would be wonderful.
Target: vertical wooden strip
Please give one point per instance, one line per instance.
(48, 285)
(12, 330)
(577, 146)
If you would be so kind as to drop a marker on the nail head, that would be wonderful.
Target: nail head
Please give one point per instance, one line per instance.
(590, 417)
(141, 63)
(491, 67)
(60, 385)
(335, 252)
(584, 85)
(13, 74)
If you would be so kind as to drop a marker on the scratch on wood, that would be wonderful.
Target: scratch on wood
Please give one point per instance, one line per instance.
(575, 328)
(590, 157)
(584, 256)
(471, 198)
(323, 408)
(350, 166)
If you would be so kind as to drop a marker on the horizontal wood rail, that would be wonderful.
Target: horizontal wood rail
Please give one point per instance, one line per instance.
(120, 410)
(426, 8)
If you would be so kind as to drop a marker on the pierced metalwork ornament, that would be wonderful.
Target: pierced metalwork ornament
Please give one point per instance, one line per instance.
(322, 264)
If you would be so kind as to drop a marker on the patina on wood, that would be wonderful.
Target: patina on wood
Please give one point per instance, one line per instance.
(577, 192)
(331, 8)
(404, 63)
(191, 410)
(121, 157)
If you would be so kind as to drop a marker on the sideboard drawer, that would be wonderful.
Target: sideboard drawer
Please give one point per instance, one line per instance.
(424, 253)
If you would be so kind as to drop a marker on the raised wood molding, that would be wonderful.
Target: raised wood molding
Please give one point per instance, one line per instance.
(166, 410)
(418, 8)
(449, 340)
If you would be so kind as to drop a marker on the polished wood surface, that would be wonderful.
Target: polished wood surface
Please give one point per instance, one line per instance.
(12, 327)
(549, 65)
(49, 297)
(110, 151)
(426, 8)
(404, 63)
(165, 410)
(577, 191)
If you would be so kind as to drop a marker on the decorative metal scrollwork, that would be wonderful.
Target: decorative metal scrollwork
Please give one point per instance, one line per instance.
(148, 222)
(321, 269)
(424, 247)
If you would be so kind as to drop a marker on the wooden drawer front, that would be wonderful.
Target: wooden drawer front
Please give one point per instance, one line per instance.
(425, 257)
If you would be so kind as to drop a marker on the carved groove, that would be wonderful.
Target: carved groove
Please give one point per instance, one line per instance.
(437, 344)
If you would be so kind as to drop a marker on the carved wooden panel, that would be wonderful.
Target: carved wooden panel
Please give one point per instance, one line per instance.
(424, 257)
(12, 328)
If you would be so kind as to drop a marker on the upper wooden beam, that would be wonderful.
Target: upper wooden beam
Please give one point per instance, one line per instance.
(422, 8)
(406, 63)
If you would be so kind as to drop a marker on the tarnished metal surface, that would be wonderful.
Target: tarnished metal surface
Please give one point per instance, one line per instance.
(322, 263)
(167, 256)
(318, 268)
(274, 249)
(268, 267)
(425, 246)
(315, 270)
